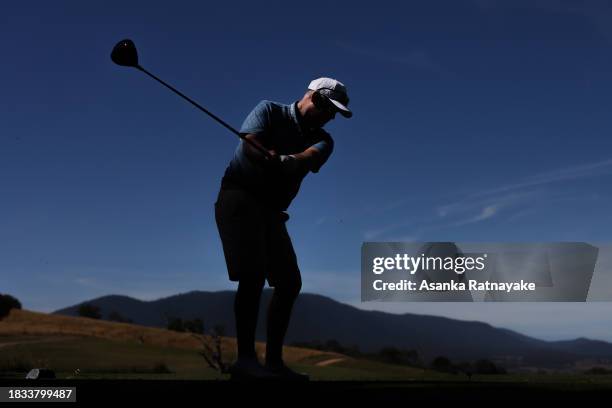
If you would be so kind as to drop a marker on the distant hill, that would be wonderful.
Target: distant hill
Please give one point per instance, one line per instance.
(318, 318)
(86, 348)
(39, 327)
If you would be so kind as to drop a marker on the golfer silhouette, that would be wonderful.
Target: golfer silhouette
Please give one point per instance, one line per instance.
(250, 213)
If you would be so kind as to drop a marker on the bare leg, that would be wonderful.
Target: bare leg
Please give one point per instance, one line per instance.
(246, 310)
(279, 314)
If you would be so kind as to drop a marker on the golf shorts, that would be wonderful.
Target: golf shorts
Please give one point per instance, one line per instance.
(255, 240)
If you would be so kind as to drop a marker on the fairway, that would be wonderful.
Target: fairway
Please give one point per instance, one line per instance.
(109, 350)
(88, 349)
(108, 361)
(97, 358)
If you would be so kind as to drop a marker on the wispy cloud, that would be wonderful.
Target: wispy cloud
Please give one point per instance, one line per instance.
(321, 220)
(377, 232)
(525, 190)
(478, 202)
(522, 214)
(473, 210)
(486, 204)
(456, 214)
(486, 213)
(559, 175)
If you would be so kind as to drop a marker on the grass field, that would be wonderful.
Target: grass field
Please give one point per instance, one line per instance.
(108, 350)
(101, 349)
(111, 359)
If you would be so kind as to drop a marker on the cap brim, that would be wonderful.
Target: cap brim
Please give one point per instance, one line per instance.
(344, 111)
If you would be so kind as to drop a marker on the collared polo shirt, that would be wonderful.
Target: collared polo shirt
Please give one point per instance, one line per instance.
(279, 127)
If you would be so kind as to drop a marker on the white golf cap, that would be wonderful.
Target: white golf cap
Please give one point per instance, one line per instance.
(335, 91)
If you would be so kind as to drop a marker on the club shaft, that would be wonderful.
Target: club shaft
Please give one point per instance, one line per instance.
(209, 113)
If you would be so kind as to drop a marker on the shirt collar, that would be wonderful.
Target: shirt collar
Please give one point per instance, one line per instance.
(297, 117)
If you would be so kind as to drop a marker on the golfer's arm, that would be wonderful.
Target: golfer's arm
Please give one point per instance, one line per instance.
(251, 151)
(311, 158)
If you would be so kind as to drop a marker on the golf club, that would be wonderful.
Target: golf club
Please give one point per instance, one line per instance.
(125, 54)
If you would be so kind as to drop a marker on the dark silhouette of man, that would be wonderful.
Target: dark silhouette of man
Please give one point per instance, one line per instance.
(250, 213)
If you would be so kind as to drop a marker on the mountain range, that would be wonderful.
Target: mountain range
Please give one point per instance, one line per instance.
(319, 319)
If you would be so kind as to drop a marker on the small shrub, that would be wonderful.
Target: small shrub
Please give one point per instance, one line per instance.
(176, 324)
(7, 303)
(117, 317)
(89, 310)
(442, 364)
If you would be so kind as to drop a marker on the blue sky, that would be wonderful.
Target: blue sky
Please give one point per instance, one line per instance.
(480, 121)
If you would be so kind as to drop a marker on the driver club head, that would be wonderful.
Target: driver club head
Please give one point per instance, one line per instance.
(125, 54)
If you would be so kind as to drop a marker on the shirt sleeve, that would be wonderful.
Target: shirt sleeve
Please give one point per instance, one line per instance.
(258, 121)
(325, 147)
